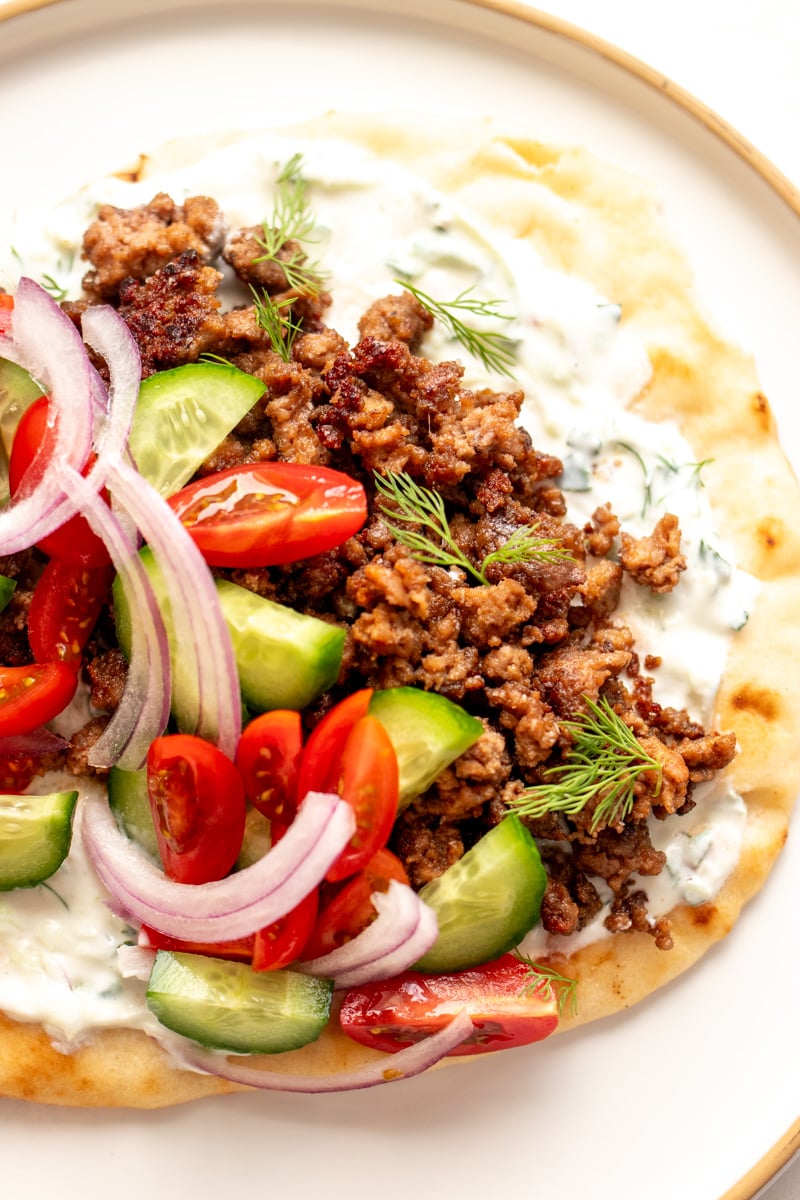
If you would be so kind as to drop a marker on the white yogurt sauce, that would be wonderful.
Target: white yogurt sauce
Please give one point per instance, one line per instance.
(579, 368)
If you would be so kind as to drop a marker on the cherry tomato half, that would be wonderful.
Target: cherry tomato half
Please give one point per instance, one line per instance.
(33, 695)
(370, 785)
(74, 541)
(321, 762)
(6, 308)
(282, 942)
(65, 606)
(268, 756)
(346, 910)
(238, 949)
(197, 799)
(261, 514)
(505, 1010)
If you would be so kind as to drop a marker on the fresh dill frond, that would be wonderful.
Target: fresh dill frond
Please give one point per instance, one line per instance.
(495, 350)
(545, 981)
(418, 509)
(292, 221)
(602, 766)
(216, 358)
(275, 318)
(57, 895)
(55, 289)
(525, 545)
(665, 467)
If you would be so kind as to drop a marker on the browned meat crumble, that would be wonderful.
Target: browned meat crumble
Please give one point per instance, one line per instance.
(523, 653)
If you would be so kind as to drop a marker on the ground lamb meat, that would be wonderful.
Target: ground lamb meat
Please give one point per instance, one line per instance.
(655, 561)
(135, 243)
(396, 319)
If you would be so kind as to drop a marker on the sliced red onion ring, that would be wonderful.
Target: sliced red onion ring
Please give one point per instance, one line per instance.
(207, 653)
(46, 343)
(107, 334)
(389, 1068)
(35, 744)
(403, 931)
(144, 710)
(227, 908)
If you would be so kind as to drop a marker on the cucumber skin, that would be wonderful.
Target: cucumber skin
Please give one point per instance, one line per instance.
(412, 716)
(284, 659)
(45, 845)
(279, 1010)
(130, 804)
(517, 877)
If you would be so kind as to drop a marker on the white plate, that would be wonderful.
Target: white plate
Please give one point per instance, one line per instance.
(684, 1095)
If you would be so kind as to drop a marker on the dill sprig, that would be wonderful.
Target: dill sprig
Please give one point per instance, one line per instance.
(55, 289)
(665, 467)
(275, 318)
(544, 981)
(602, 765)
(415, 505)
(495, 350)
(292, 221)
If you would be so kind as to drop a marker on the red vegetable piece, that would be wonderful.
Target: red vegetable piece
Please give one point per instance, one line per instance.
(370, 785)
(282, 942)
(505, 1009)
(260, 514)
(347, 909)
(32, 695)
(74, 541)
(268, 757)
(197, 798)
(65, 606)
(321, 761)
(238, 949)
(6, 308)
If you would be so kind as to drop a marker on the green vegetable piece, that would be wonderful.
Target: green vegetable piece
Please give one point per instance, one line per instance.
(130, 804)
(487, 901)
(17, 393)
(285, 659)
(228, 1006)
(184, 414)
(35, 837)
(428, 732)
(7, 587)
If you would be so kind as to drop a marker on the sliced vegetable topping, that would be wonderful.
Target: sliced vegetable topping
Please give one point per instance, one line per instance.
(268, 757)
(32, 695)
(35, 836)
(197, 799)
(348, 908)
(260, 514)
(486, 901)
(282, 942)
(228, 1006)
(504, 1009)
(66, 603)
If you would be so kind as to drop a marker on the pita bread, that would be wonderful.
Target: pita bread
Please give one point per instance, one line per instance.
(592, 220)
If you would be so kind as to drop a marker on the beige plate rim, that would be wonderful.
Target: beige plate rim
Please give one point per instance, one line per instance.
(788, 1145)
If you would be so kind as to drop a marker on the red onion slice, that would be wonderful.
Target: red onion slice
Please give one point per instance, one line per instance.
(108, 335)
(390, 1068)
(227, 908)
(135, 962)
(403, 931)
(35, 744)
(46, 343)
(143, 712)
(207, 653)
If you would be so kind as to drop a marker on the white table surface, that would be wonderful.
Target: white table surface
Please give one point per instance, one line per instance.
(740, 58)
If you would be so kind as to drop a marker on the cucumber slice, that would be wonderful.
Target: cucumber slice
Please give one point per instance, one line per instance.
(130, 804)
(284, 659)
(17, 392)
(228, 1006)
(35, 836)
(184, 414)
(7, 587)
(428, 732)
(487, 901)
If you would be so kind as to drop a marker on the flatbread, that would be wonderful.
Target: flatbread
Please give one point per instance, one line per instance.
(592, 220)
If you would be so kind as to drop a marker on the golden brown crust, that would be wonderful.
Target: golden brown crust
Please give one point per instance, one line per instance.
(592, 220)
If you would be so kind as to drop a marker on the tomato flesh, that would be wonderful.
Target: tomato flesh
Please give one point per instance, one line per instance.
(32, 695)
(370, 784)
(6, 308)
(237, 949)
(66, 603)
(347, 909)
(321, 763)
(282, 942)
(75, 541)
(268, 757)
(197, 800)
(262, 514)
(505, 1010)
